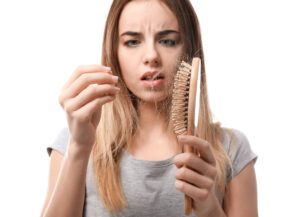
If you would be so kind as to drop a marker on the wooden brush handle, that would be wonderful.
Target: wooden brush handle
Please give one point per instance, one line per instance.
(188, 202)
(192, 96)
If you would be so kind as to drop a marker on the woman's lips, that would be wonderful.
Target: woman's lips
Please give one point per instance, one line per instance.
(152, 79)
(153, 83)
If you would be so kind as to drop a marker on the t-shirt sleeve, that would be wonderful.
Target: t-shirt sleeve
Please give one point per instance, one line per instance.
(240, 152)
(60, 143)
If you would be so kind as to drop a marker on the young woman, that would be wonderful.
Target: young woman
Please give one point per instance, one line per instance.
(119, 156)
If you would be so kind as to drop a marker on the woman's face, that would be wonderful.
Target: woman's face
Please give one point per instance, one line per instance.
(149, 49)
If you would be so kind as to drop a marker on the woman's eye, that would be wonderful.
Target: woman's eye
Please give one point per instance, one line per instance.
(131, 43)
(168, 42)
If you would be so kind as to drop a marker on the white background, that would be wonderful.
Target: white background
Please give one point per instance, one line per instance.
(252, 61)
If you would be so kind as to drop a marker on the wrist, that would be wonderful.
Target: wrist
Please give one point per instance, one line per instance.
(215, 210)
(78, 152)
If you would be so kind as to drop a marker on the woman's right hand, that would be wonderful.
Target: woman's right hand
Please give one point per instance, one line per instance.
(82, 97)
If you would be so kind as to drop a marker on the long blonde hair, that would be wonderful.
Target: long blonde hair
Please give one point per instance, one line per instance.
(119, 119)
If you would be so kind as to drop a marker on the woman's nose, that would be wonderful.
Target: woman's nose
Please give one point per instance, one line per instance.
(151, 57)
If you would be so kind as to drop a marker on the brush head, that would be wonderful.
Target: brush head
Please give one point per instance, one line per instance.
(180, 98)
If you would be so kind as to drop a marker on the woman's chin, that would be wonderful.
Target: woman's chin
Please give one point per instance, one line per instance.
(152, 98)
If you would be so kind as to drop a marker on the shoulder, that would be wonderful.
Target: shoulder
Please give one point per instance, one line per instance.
(60, 142)
(232, 138)
(238, 148)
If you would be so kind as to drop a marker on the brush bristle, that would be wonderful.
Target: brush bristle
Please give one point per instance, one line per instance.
(180, 98)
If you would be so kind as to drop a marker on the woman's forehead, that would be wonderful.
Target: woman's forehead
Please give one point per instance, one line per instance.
(145, 15)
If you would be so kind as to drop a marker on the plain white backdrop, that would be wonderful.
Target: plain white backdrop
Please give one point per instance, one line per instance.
(252, 53)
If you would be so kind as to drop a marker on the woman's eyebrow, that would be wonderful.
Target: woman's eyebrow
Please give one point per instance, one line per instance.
(161, 33)
(166, 32)
(130, 33)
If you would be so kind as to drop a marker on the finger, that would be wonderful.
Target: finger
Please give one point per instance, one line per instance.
(84, 81)
(195, 163)
(198, 194)
(85, 69)
(202, 146)
(85, 113)
(192, 177)
(89, 94)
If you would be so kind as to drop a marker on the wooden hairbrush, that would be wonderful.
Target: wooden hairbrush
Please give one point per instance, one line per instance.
(184, 113)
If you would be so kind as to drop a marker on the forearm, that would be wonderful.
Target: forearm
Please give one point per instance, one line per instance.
(68, 195)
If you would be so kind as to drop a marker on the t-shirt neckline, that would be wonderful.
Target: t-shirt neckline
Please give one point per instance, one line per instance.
(146, 163)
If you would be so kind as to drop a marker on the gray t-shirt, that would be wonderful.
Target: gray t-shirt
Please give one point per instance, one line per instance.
(149, 185)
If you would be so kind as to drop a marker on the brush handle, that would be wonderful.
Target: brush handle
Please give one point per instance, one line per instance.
(188, 202)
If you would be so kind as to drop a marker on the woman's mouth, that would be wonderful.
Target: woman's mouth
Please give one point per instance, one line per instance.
(153, 81)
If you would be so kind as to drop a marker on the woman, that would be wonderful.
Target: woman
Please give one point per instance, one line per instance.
(119, 155)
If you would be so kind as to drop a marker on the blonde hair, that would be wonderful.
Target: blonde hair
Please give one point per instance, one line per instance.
(119, 119)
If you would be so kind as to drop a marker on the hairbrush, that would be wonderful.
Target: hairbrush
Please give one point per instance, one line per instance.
(184, 114)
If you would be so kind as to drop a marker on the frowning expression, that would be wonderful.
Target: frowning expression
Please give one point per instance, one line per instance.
(149, 48)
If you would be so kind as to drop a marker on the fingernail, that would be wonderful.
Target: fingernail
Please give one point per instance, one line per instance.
(115, 78)
(116, 88)
(107, 68)
(181, 137)
(178, 184)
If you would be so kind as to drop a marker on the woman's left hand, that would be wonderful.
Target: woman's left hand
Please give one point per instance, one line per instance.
(196, 176)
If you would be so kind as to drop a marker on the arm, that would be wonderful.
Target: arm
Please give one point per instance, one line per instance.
(66, 188)
(241, 196)
(82, 98)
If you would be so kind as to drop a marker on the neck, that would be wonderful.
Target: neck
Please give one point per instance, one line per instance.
(152, 117)
(153, 136)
